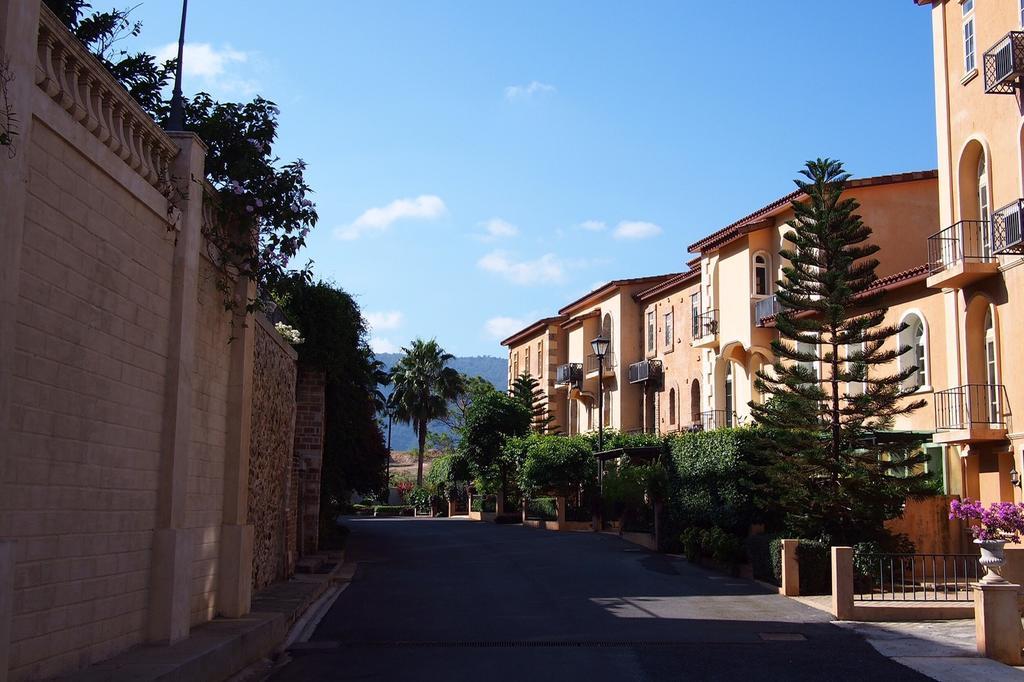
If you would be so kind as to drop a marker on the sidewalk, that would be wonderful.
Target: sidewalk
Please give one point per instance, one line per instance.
(941, 649)
(224, 646)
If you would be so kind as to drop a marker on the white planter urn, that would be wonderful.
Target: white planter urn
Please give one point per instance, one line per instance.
(992, 558)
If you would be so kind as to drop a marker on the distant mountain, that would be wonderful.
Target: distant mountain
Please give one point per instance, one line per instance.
(494, 370)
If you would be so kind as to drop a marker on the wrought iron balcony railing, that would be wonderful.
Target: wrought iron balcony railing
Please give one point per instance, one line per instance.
(1004, 65)
(965, 241)
(608, 364)
(765, 308)
(717, 419)
(570, 374)
(706, 324)
(971, 405)
(645, 370)
(1007, 232)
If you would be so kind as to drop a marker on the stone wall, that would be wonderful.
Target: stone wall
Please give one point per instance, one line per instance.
(127, 392)
(270, 453)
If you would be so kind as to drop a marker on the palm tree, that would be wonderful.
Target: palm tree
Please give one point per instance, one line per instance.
(424, 386)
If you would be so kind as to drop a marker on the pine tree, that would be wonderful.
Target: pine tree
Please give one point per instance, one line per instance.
(837, 473)
(527, 390)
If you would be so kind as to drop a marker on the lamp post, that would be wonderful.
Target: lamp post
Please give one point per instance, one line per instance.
(600, 346)
(176, 120)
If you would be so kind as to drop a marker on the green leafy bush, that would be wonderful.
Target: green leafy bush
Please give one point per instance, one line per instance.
(764, 552)
(553, 463)
(815, 559)
(392, 510)
(542, 508)
(716, 543)
(448, 477)
(419, 499)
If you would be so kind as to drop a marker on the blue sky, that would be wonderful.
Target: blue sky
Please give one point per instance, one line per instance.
(479, 164)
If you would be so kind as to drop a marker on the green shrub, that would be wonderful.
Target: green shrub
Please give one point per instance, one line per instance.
(553, 464)
(815, 559)
(764, 552)
(419, 499)
(449, 476)
(392, 510)
(722, 546)
(542, 508)
(690, 539)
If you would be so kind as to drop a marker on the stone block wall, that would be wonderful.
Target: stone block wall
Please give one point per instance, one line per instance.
(270, 454)
(309, 452)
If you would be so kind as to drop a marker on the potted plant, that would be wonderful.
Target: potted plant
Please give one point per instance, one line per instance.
(992, 528)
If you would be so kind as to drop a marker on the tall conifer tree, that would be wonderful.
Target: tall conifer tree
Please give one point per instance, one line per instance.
(833, 395)
(527, 390)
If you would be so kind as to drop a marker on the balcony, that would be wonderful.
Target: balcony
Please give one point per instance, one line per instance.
(961, 254)
(1007, 232)
(765, 308)
(570, 374)
(705, 326)
(591, 366)
(1004, 65)
(715, 419)
(647, 370)
(971, 413)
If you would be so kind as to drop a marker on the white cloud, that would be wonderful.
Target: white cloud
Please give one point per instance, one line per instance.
(381, 345)
(515, 92)
(496, 228)
(546, 269)
(503, 327)
(593, 225)
(636, 229)
(391, 319)
(214, 68)
(379, 219)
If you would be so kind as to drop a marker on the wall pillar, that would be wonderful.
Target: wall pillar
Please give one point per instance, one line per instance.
(19, 26)
(234, 575)
(790, 569)
(310, 411)
(842, 583)
(7, 556)
(560, 505)
(170, 589)
(997, 622)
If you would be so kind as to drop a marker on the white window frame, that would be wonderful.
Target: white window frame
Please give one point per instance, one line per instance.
(540, 363)
(924, 377)
(670, 332)
(814, 365)
(695, 311)
(970, 37)
(767, 265)
(652, 331)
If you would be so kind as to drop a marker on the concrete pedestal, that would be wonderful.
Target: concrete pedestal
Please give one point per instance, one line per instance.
(790, 569)
(997, 622)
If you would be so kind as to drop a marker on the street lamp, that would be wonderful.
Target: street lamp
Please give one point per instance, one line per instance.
(600, 346)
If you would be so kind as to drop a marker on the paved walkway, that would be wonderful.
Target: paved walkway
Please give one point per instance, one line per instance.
(455, 600)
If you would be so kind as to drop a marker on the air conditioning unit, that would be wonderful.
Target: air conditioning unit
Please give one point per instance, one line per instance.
(1004, 64)
(645, 370)
(1008, 228)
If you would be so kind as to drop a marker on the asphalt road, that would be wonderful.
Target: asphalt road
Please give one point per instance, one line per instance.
(456, 600)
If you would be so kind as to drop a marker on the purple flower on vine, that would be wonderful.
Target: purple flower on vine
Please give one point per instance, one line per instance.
(249, 209)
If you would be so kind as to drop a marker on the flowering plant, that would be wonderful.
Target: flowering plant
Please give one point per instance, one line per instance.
(289, 333)
(1001, 521)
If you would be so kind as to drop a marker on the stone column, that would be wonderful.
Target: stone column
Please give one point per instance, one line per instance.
(997, 622)
(790, 569)
(842, 583)
(234, 584)
(310, 405)
(560, 505)
(171, 585)
(19, 28)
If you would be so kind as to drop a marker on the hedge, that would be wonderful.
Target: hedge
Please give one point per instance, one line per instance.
(542, 508)
(393, 510)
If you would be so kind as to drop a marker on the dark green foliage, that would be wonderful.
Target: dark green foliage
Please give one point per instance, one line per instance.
(527, 390)
(420, 499)
(764, 552)
(713, 479)
(714, 543)
(542, 508)
(393, 510)
(448, 477)
(332, 325)
(490, 421)
(553, 464)
(833, 477)
(815, 559)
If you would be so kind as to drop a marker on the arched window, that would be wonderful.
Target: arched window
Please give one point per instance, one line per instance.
(728, 393)
(991, 368)
(606, 332)
(672, 406)
(695, 402)
(983, 210)
(916, 337)
(762, 285)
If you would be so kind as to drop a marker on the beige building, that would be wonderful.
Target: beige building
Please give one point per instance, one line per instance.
(669, 374)
(538, 350)
(740, 264)
(974, 254)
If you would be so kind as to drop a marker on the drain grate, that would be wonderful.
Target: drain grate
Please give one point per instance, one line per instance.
(531, 644)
